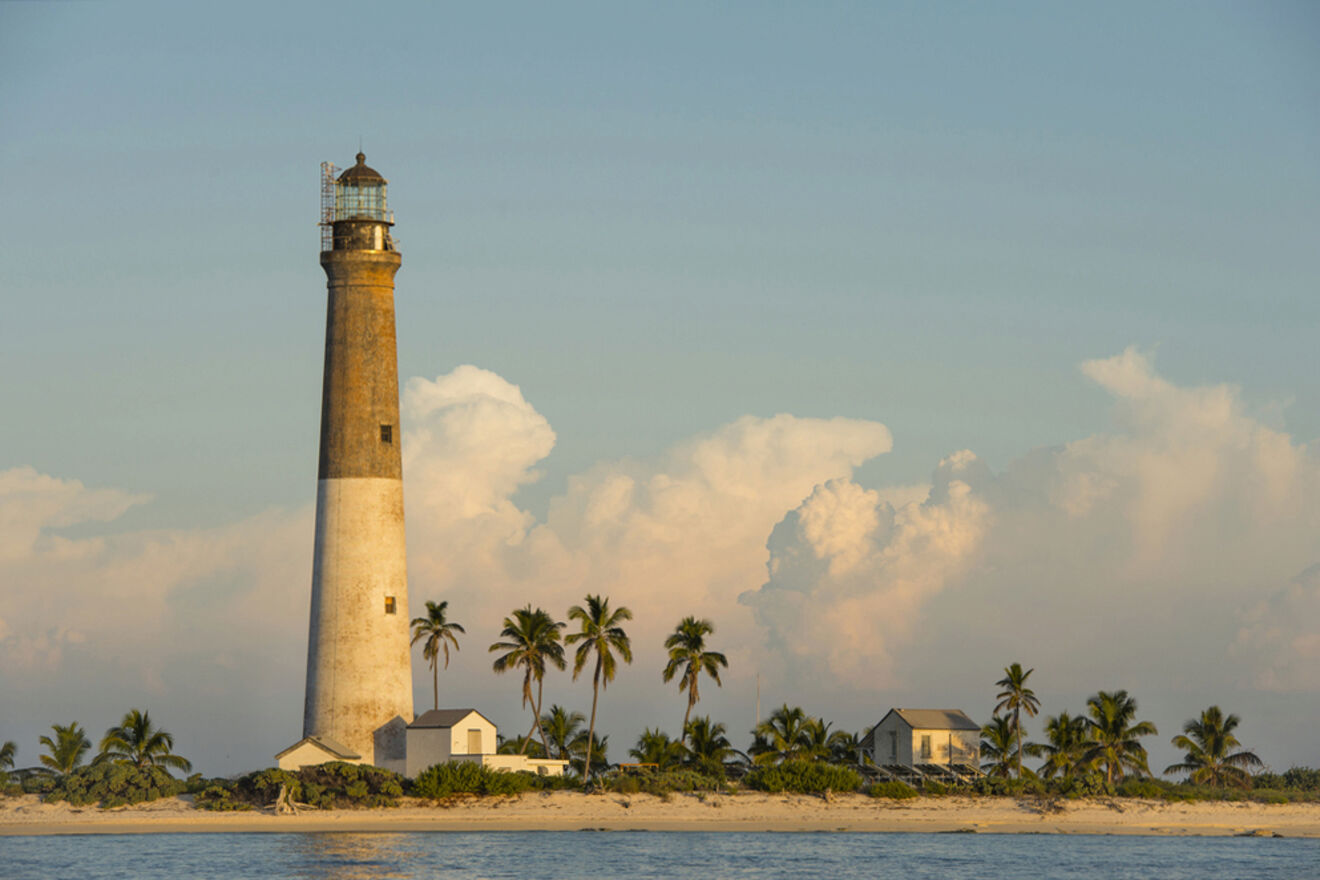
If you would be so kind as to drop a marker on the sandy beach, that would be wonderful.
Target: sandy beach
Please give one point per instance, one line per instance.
(572, 811)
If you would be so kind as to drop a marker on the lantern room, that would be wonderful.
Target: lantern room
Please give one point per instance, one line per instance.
(360, 193)
(354, 211)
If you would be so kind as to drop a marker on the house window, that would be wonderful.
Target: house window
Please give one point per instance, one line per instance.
(893, 746)
(925, 747)
(386, 433)
(389, 604)
(474, 741)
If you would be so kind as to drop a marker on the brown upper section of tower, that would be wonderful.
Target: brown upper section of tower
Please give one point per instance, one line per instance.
(360, 397)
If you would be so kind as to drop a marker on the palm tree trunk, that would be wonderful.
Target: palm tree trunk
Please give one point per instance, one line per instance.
(1017, 725)
(536, 716)
(591, 728)
(540, 692)
(692, 701)
(435, 682)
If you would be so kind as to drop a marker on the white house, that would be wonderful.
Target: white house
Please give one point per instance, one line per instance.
(313, 750)
(938, 741)
(440, 736)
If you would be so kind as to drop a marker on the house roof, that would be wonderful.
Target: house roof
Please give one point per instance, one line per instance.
(923, 719)
(937, 719)
(325, 744)
(445, 718)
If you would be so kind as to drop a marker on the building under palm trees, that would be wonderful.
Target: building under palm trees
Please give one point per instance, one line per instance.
(442, 736)
(924, 742)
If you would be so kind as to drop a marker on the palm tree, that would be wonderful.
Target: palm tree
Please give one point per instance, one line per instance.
(818, 741)
(578, 750)
(1016, 698)
(66, 749)
(1114, 734)
(1067, 741)
(844, 747)
(1207, 742)
(655, 747)
(531, 641)
(687, 651)
(439, 635)
(137, 741)
(708, 748)
(520, 745)
(998, 747)
(562, 728)
(7, 752)
(784, 736)
(600, 635)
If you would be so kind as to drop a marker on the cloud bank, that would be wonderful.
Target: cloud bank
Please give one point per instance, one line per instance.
(1175, 554)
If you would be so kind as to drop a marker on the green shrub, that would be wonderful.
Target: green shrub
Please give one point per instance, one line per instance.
(337, 785)
(440, 781)
(1001, 787)
(1302, 779)
(113, 785)
(1143, 787)
(894, 789)
(707, 766)
(934, 788)
(805, 777)
(627, 784)
(219, 797)
(38, 783)
(1090, 785)
(326, 786)
(262, 788)
(662, 783)
(1266, 796)
(567, 782)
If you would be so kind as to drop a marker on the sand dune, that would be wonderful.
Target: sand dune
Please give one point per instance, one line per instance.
(571, 811)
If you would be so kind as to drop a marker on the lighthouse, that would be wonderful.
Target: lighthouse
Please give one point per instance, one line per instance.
(359, 673)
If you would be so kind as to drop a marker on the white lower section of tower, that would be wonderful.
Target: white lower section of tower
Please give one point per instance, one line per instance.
(359, 662)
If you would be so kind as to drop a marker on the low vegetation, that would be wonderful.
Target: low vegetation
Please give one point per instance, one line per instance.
(804, 777)
(114, 784)
(661, 782)
(441, 781)
(1096, 753)
(894, 789)
(335, 785)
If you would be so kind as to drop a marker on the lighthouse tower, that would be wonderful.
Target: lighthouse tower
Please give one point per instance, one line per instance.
(359, 672)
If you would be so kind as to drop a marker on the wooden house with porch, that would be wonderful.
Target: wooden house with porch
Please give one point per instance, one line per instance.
(942, 744)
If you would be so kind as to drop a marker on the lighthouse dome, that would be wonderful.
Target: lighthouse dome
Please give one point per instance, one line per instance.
(361, 173)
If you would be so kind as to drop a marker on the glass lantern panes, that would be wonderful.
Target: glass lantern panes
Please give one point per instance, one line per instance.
(360, 200)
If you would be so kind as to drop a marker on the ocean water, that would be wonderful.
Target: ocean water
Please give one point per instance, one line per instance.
(641, 855)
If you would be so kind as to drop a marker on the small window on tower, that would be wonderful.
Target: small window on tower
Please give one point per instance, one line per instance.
(386, 433)
(389, 604)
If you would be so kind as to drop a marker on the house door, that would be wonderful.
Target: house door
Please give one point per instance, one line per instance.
(474, 741)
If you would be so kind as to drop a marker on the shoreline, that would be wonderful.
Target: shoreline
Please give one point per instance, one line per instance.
(745, 811)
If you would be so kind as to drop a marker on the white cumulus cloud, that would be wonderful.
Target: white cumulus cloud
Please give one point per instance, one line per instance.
(1147, 556)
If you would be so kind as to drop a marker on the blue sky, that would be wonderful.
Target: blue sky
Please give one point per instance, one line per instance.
(654, 220)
